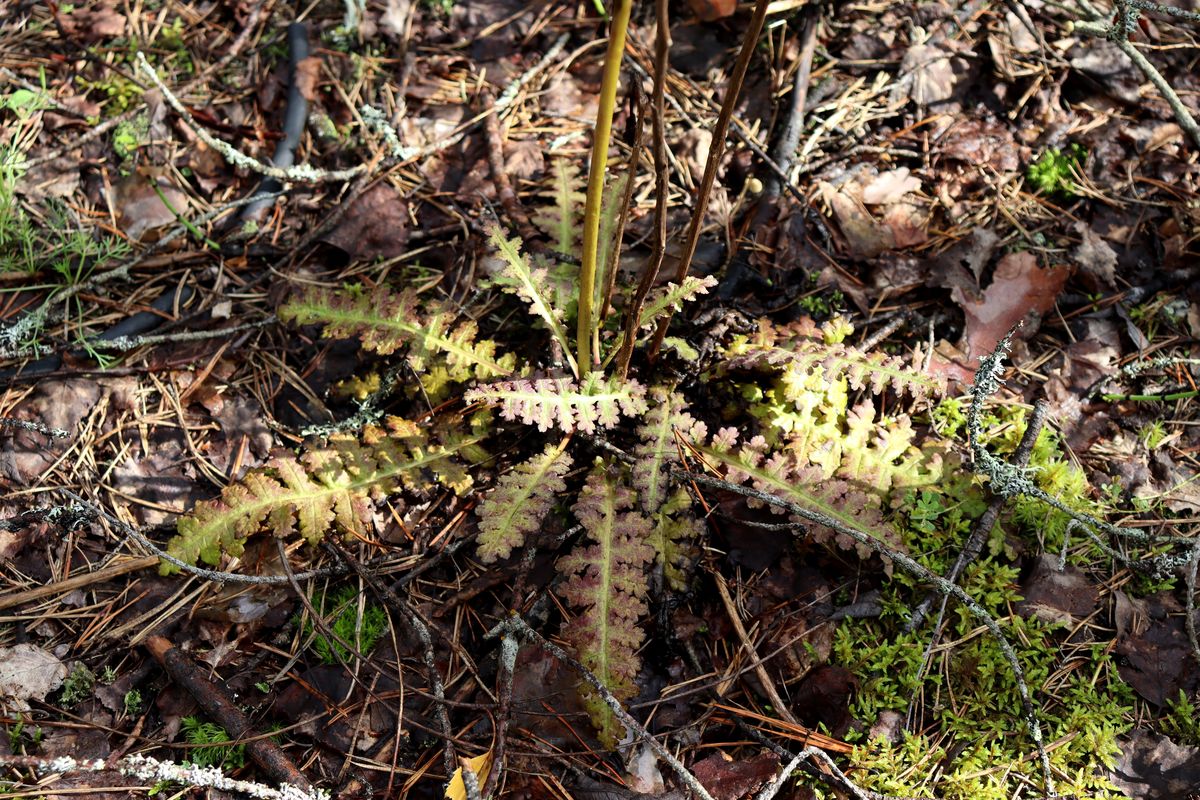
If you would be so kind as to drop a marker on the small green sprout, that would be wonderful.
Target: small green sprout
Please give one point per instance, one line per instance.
(1153, 435)
(78, 686)
(1051, 173)
(132, 703)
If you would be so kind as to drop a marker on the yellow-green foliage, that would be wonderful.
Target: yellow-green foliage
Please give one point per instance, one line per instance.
(326, 487)
(807, 409)
(967, 698)
(439, 349)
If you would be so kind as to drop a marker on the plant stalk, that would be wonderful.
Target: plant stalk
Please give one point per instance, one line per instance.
(595, 190)
(715, 152)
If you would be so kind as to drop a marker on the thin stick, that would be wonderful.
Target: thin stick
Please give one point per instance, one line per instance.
(715, 152)
(785, 148)
(117, 568)
(983, 526)
(760, 669)
(155, 771)
(303, 173)
(1182, 115)
(662, 187)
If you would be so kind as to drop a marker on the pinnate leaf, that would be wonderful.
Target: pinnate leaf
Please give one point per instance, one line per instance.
(520, 501)
(595, 402)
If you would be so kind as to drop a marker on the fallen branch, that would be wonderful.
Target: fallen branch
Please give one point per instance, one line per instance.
(152, 770)
(213, 700)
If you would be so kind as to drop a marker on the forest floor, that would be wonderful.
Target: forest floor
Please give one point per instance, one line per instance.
(753, 536)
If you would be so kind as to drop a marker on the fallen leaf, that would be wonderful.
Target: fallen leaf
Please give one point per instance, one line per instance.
(710, 10)
(1152, 767)
(456, 789)
(141, 211)
(394, 18)
(28, 672)
(1155, 649)
(1020, 290)
(1023, 41)
(93, 22)
(375, 226)
(979, 144)
(645, 777)
(729, 779)
(307, 76)
(1054, 596)
(889, 187)
(1094, 256)
(932, 75)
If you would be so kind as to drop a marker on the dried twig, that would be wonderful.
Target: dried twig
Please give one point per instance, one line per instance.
(1118, 33)
(983, 526)
(296, 174)
(154, 771)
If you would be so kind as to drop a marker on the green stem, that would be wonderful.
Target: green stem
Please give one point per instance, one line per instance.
(595, 190)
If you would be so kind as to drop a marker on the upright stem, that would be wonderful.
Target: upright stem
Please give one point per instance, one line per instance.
(595, 190)
(716, 150)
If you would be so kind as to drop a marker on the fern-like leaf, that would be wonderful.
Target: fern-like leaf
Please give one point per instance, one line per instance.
(608, 581)
(561, 220)
(326, 486)
(530, 284)
(561, 402)
(386, 322)
(808, 405)
(806, 350)
(669, 507)
(520, 501)
(785, 476)
(672, 297)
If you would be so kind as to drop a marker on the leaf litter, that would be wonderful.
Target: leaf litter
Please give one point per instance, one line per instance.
(913, 167)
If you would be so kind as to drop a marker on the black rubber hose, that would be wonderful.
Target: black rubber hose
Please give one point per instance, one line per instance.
(295, 116)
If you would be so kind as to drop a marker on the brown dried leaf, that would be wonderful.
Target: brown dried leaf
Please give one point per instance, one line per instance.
(1152, 767)
(1157, 654)
(1052, 596)
(932, 73)
(94, 22)
(980, 143)
(1095, 257)
(375, 226)
(727, 779)
(709, 10)
(889, 187)
(28, 672)
(1020, 290)
(140, 209)
(307, 76)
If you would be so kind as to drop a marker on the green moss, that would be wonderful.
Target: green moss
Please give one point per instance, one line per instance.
(1182, 722)
(966, 700)
(78, 686)
(1051, 173)
(216, 750)
(341, 611)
